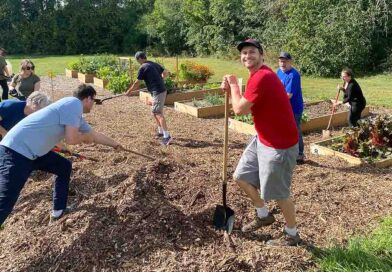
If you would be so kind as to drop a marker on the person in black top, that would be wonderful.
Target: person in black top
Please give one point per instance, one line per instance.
(153, 74)
(352, 95)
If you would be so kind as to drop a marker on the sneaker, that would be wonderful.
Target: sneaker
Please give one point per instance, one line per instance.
(56, 215)
(158, 135)
(285, 240)
(301, 159)
(258, 223)
(167, 140)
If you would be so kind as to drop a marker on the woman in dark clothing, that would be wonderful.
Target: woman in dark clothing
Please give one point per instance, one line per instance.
(353, 95)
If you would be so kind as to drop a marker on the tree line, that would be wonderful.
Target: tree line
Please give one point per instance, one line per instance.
(322, 35)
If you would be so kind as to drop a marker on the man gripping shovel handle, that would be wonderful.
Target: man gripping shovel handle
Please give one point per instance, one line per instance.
(73, 154)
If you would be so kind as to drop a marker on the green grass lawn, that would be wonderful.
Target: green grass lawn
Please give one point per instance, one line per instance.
(371, 253)
(377, 89)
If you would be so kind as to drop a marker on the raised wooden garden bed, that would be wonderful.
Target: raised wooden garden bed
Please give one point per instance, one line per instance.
(202, 111)
(181, 96)
(314, 123)
(86, 78)
(322, 148)
(71, 73)
(100, 82)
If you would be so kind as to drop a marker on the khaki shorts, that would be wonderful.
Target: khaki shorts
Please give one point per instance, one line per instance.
(158, 102)
(268, 169)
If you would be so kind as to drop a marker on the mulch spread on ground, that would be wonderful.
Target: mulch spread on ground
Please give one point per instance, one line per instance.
(132, 214)
(323, 108)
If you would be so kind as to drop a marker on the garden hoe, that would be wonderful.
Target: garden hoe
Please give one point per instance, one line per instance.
(99, 101)
(137, 153)
(224, 216)
(327, 132)
(73, 154)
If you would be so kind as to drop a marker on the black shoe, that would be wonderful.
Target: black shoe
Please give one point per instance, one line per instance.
(300, 159)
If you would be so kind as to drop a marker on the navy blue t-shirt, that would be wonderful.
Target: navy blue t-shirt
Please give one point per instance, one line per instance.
(151, 73)
(11, 112)
(291, 81)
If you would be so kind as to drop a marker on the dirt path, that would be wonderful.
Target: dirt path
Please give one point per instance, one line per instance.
(138, 215)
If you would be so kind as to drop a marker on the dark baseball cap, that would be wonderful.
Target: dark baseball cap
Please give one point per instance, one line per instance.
(249, 42)
(140, 55)
(285, 55)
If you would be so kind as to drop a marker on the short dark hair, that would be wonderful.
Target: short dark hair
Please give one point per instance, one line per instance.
(84, 91)
(348, 71)
(140, 55)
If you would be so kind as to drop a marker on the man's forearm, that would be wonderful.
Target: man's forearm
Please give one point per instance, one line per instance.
(100, 138)
(235, 96)
(133, 87)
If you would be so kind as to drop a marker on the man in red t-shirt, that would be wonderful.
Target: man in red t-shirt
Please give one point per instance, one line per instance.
(265, 169)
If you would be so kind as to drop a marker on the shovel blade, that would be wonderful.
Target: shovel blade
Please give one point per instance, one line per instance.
(326, 134)
(223, 218)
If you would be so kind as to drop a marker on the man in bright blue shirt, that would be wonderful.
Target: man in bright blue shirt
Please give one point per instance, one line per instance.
(291, 80)
(27, 147)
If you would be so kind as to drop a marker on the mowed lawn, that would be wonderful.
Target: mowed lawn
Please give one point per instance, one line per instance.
(377, 89)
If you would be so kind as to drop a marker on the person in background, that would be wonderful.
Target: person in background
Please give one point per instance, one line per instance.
(26, 81)
(291, 80)
(4, 74)
(28, 147)
(265, 169)
(13, 111)
(153, 75)
(353, 95)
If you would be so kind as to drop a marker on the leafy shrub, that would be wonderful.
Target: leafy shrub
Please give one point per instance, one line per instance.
(305, 117)
(105, 73)
(170, 85)
(371, 140)
(245, 118)
(194, 72)
(214, 99)
(74, 65)
(91, 65)
(119, 83)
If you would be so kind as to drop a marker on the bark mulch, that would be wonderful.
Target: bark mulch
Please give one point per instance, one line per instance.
(132, 214)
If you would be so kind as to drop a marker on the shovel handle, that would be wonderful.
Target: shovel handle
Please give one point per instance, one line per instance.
(333, 109)
(137, 153)
(225, 148)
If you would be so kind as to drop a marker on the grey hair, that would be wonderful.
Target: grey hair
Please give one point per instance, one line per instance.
(38, 100)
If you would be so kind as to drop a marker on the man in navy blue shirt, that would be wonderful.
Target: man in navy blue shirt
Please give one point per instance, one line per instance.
(291, 80)
(153, 74)
(13, 110)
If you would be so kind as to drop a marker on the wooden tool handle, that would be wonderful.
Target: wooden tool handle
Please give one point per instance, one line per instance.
(137, 153)
(225, 148)
(333, 109)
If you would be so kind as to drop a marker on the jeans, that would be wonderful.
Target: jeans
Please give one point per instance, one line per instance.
(298, 117)
(355, 113)
(4, 86)
(15, 169)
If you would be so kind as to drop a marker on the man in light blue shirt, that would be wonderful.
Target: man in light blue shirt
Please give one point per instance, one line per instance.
(27, 147)
(291, 80)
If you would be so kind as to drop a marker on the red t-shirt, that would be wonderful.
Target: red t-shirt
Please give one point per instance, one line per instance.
(272, 113)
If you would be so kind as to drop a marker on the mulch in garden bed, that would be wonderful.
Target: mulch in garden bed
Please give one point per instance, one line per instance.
(140, 215)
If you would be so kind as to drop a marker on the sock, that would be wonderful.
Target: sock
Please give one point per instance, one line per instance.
(262, 212)
(291, 231)
(57, 213)
(165, 133)
(160, 130)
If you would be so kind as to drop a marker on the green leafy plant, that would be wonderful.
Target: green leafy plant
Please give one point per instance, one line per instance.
(170, 85)
(105, 73)
(305, 117)
(245, 118)
(74, 65)
(119, 83)
(214, 99)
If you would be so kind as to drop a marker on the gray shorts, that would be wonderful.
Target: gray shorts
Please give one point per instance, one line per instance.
(158, 102)
(268, 169)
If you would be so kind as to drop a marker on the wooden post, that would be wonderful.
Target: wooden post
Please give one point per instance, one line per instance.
(130, 70)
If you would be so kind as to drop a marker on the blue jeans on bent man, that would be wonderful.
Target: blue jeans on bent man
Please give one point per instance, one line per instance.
(15, 169)
(298, 117)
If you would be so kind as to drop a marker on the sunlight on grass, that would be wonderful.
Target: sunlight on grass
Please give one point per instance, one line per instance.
(371, 253)
(377, 89)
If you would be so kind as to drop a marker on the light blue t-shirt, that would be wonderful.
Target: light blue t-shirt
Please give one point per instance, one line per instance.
(39, 132)
(291, 81)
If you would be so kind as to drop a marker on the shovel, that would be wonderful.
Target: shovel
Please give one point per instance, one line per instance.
(99, 101)
(223, 215)
(327, 132)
